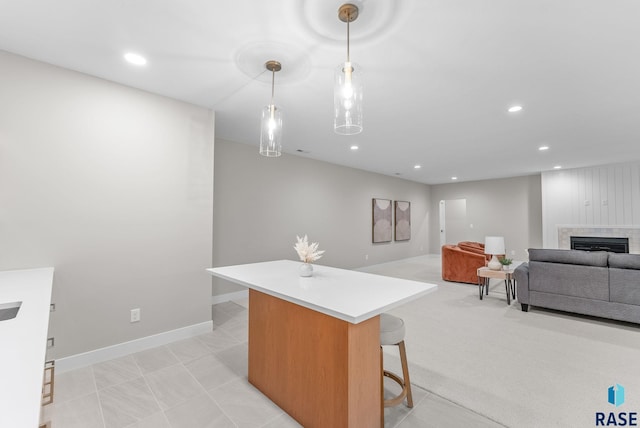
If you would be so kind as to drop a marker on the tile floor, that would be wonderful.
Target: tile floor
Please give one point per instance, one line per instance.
(202, 382)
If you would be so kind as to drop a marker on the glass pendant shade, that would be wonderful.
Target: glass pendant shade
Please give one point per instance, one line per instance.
(347, 99)
(271, 123)
(347, 87)
(271, 131)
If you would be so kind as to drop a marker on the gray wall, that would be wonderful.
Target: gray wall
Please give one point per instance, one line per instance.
(510, 207)
(114, 188)
(261, 204)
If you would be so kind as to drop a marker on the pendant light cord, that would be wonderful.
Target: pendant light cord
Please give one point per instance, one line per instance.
(348, 21)
(273, 82)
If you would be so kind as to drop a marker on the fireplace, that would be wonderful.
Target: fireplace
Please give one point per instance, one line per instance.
(598, 243)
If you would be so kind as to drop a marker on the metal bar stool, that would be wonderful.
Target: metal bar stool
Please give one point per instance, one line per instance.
(392, 333)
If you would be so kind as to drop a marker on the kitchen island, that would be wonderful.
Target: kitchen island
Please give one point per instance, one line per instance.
(314, 343)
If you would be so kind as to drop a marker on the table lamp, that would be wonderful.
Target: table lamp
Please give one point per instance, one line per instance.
(494, 245)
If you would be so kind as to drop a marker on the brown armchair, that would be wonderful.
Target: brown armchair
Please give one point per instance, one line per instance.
(460, 262)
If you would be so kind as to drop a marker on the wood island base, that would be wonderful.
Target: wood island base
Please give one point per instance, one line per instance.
(323, 371)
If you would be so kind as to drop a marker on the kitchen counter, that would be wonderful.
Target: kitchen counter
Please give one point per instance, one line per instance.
(23, 345)
(348, 295)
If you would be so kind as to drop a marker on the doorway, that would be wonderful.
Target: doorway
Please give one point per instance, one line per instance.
(453, 221)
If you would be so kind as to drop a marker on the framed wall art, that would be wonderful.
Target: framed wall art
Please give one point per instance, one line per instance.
(381, 220)
(403, 220)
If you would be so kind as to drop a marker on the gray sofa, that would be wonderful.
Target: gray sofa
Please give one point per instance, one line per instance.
(594, 283)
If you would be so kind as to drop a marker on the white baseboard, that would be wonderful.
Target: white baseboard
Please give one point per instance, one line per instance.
(229, 296)
(122, 349)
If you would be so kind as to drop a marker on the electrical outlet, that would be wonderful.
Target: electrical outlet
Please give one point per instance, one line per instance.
(366, 256)
(513, 252)
(135, 315)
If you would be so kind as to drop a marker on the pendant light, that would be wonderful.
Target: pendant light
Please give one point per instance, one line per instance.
(271, 125)
(347, 92)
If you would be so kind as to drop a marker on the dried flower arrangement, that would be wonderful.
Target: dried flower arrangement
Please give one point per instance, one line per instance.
(308, 253)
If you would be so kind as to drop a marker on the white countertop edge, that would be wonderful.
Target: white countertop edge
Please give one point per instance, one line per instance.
(326, 311)
(22, 362)
(401, 302)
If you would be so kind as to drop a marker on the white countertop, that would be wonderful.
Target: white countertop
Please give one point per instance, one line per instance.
(345, 294)
(23, 345)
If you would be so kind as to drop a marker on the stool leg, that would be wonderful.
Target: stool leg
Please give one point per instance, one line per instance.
(381, 391)
(405, 373)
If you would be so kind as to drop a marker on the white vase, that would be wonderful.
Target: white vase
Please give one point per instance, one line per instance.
(306, 270)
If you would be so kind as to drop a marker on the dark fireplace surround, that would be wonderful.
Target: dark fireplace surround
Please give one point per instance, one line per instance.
(598, 243)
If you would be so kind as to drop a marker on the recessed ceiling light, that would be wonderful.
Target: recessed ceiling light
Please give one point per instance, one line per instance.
(134, 58)
(354, 148)
(514, 109)
(557, 167)
(543, 148)
(454, 178)
(417, 166)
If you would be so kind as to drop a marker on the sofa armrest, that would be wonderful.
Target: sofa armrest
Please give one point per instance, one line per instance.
(521, 275)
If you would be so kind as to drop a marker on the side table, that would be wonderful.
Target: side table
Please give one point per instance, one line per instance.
(484, 276)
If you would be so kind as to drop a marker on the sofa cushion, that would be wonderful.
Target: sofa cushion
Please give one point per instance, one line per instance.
(624, 261)
(624, 285)
(589, 282)
(573, 257)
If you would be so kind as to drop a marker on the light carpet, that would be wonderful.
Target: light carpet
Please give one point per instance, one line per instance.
(539, 368)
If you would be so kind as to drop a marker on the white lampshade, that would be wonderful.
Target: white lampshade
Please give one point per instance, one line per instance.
(494, 245)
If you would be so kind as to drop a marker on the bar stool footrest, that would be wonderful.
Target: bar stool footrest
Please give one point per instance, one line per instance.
(400, 397)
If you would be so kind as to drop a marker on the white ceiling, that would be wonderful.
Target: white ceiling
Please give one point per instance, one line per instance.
(439, 74)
